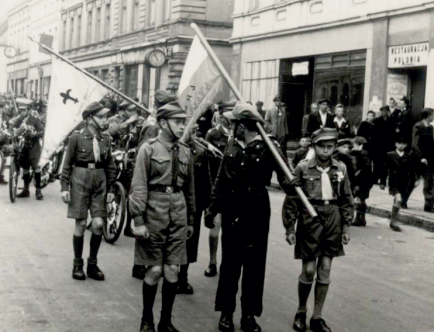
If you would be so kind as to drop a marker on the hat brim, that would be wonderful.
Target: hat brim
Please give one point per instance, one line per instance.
(102, 112)
(325, 138)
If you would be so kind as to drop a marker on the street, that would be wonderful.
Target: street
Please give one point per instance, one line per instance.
(384, 283)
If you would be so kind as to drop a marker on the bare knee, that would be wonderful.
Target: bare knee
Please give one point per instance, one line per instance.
(97, 224)
(324, 269)
(171, 273)
(153, 274)
(80, 227)
(308, 272)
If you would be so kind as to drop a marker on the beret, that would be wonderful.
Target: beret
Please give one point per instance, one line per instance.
(94, 108)
(171, 110)
(244, 111)
(324, 134)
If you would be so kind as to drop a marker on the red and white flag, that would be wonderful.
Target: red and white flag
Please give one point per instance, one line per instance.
(201, 82)
(71, 91)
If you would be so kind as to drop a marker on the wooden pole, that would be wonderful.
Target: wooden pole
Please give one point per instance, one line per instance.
(92, 76)
(266, 139)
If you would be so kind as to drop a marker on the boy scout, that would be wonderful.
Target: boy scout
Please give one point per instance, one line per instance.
(240, 195)
(88, 171)
(325, 183)
(161, 202)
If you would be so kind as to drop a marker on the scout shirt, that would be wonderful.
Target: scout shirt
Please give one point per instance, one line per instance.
(310, 178)
(154, 167)
(80, 150)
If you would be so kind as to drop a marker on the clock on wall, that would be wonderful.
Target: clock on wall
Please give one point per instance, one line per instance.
(10, 52)
(155, 58)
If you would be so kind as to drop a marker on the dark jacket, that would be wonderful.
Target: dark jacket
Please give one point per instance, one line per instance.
(423, 143)
(299, 155)
(365, 130)
(400, 171)
(363, 180)
(217, 137)
(202, 180)
(315, 123)
(382, 136)
(402, 124)
(344, 129)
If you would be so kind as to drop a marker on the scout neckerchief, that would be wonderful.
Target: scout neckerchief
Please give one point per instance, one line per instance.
(326, 185)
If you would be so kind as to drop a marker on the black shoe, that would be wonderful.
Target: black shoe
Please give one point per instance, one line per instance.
(139, 272)
(166, 327)
(248, 324)
(361, 223)
(211, 271)
(39, 195)
(428, 208)
(94, 272)
(300, 322)
(404, 205)
(226, 323)
(184, 287)
(147, 327)
(24, 194)
(319, 325)
(395, 227)
(2, 180)
(77, 271)
(128, 232)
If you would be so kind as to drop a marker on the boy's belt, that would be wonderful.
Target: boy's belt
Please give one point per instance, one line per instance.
(164, 189)
(89, 165)
(321, 202)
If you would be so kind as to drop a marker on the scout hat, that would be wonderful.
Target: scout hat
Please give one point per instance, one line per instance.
(123, 105)
(324, 134)
(345, 141)
(244, 111)
(171, 110)
(225, 106)
(360, 140)
(94, 108)
(130, 107)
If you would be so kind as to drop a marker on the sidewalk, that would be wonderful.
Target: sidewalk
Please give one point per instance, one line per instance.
(380, 204)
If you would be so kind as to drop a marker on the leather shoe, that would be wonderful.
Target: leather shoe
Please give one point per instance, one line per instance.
(139, 272)
(184, 287)
(248, 324)
(211, 271)
(24, 194)
(226, 323)
(147, 327)
(166, 327)
(77, 271)
(94, 272)
(39, 195)
(319, 325)
(395, 227)
(300, 322)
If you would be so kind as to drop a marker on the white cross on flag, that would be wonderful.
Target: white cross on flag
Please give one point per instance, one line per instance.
(71, 91)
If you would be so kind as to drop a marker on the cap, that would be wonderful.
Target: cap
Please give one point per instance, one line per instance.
(400, 139)
(162, 98)
(360, 140)
(259, 102)
(244, 111)
(385, 108)
(324, 101)
(324, 134)
(130, 107)
(171, 110)
(123, 105)
(226, 106)
(345, 141)
(94, 108)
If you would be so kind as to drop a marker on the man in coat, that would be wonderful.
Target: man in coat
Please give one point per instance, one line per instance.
(321, 119)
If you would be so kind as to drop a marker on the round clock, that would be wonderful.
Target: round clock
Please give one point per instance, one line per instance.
(155, 58)
(10, 52)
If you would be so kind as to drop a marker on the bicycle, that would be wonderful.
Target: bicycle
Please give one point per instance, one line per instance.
(14, 168)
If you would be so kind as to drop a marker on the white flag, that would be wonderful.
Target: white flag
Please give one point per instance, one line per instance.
(201, 82)
(71, 91)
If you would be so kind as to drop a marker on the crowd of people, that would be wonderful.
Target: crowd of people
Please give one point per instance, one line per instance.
(219, 172)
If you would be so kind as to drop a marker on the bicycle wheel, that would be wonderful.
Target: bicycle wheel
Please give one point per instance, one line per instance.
(115, 220)
(14, 173)
(2, 162)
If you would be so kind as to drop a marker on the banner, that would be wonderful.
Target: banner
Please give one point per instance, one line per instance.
(201, 82)
(71, 91)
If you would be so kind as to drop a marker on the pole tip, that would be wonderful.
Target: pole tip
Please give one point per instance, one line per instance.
(193, 25)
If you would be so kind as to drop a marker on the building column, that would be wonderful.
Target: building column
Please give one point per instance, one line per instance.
(130, 15)
(93, 39)
(68, 32)
(429, 97)
(84, 19)
(103, 19)
(378, 65)
(140, 81)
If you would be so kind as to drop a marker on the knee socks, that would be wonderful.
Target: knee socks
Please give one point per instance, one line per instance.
(148, 293)
(27, 179)
(95, 242)
(320, 297)
(77, 242)
(37, 180)
(303, 295)
(182, 275)
(168, 295)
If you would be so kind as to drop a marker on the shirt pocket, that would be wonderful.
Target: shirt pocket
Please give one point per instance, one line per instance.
(312, 186)
(183, 166)
(84, 151)
(159, 165)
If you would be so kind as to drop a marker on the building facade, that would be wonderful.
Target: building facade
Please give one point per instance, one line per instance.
(139, 46)
(3, 59)
(355, 52)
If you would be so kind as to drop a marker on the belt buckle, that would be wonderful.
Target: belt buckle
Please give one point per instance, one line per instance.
(326, 202)
(169, 189)
(91, 165)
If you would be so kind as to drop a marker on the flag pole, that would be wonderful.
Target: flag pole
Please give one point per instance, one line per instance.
(132, 101)
(266, 139)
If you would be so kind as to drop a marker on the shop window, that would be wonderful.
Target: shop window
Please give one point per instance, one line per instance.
(131, 77)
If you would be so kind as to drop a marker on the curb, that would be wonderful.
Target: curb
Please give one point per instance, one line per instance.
(403, 217)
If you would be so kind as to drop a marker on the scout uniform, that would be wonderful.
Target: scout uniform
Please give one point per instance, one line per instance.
(162, 199)
(240, 195)
(88, 180)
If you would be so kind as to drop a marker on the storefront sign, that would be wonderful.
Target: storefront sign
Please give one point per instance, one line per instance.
(300, 68)
(397, 86)
(413, 55)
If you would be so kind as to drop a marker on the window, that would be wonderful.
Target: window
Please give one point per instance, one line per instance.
(73, 40)
(167, 10)
(107, 22)
(151, 12)
(64, 35)
(136, 15)
(124, 18)
(89, 27)
(98, 25)
(105, 75)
